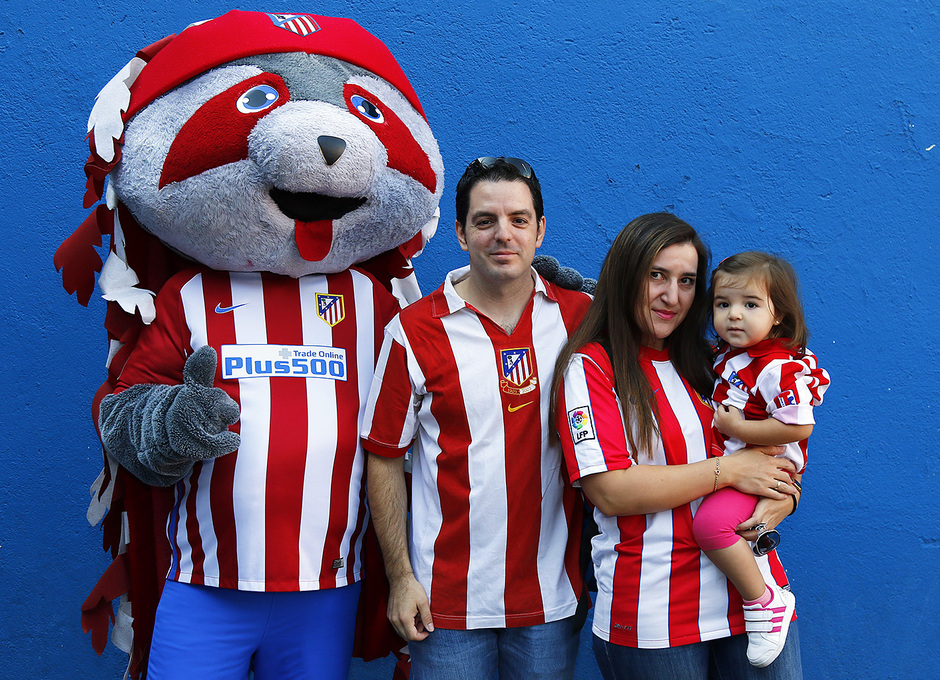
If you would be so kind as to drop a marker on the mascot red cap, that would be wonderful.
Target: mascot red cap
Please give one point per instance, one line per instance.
(205, 45)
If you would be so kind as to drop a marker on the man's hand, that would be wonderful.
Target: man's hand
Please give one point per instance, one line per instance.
(408, 609)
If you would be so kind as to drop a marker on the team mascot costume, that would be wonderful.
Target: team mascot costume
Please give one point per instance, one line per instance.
(267, 178)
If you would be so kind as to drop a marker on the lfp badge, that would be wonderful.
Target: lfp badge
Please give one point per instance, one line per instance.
(581, 424)
(517, 371)
(330, 308)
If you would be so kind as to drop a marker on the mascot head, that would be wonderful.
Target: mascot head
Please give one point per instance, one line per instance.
(285, 143)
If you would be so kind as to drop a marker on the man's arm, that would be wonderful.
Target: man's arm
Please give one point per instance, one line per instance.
(408, 609)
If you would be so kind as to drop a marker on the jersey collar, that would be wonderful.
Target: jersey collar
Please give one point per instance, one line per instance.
(445, 300)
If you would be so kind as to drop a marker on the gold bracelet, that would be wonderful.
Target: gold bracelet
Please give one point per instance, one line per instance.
(717, 472)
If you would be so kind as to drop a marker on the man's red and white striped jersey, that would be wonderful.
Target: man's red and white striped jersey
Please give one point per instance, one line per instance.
(656, 588)
(494, 527)
(769, 380)
(286, 511)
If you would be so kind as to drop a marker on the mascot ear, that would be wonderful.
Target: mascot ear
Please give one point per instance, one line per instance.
(566, 277)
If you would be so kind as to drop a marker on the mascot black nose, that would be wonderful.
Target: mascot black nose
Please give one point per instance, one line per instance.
(331, 147)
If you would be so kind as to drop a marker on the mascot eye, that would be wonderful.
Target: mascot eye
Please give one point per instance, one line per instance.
(257, 99)
(367, 108)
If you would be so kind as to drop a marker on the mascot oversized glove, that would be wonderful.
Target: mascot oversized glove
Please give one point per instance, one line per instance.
(158, 432)
(566, 277)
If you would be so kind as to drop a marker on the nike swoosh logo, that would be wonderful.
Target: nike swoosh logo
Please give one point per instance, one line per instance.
(513, 409)
(219, 309)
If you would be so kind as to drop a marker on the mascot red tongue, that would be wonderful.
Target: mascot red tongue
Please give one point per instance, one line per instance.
(248, 151)
(314, 239)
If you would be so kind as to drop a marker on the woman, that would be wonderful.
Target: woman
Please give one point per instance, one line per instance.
(636, 432)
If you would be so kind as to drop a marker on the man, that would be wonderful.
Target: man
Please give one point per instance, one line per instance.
(488, 578)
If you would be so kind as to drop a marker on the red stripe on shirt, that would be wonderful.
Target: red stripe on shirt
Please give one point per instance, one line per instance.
(449, 577)
(220, 329)
(626, 583)
(287, 442)
(393, 403)
(522, 432)
(347, 432)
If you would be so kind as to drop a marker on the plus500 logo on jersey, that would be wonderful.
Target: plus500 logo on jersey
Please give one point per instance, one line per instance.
(285, 361)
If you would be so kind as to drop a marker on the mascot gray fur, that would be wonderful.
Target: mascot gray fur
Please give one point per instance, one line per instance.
(252, 152)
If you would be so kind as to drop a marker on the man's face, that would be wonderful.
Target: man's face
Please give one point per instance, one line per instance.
(501, 233)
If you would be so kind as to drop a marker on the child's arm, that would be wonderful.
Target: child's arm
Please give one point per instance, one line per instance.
(769, 432)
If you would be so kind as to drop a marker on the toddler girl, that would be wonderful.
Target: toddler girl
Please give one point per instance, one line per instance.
(768, 383)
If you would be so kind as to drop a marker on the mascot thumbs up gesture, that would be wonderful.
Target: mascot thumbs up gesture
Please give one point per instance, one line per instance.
(268, 178)
(159, 432)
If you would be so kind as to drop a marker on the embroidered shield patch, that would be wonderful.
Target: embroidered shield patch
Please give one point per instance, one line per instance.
(301, 24)
(330, 308)
(517, 365)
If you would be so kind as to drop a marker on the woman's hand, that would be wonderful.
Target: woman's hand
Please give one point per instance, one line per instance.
(769, 513)
(757, 472)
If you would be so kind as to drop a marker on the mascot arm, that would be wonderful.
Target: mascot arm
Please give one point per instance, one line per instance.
(158, 432)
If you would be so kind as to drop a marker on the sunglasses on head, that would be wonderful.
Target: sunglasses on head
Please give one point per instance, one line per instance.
(485, 162)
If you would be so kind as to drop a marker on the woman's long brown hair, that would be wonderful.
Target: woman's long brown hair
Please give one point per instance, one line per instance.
(611, 321)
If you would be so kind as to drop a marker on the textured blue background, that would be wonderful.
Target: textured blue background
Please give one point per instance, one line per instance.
(807, 128)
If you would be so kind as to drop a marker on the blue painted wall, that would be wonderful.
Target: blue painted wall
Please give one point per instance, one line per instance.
(808, 128)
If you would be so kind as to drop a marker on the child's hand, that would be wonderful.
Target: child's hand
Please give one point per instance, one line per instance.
(727, 419)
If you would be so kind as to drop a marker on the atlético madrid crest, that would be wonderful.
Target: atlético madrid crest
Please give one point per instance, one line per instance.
(301, 24)
(330, 308)
(517, 369)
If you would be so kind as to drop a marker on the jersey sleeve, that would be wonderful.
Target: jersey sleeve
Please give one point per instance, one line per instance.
(589, 420)
(162, 347)
(791, 388)
(390, 421)
(386, 305)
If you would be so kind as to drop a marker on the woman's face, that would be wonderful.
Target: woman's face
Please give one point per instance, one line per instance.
(670, 289)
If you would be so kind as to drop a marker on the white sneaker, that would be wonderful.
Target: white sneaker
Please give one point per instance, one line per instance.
(767, 626)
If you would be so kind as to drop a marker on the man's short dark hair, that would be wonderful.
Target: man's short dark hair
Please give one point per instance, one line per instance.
(493, 169)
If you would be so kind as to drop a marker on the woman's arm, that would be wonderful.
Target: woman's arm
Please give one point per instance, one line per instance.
(767, 432)
(594, 438)
(645, 489)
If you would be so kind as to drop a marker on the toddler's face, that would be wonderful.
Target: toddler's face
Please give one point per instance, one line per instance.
(743, 312)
